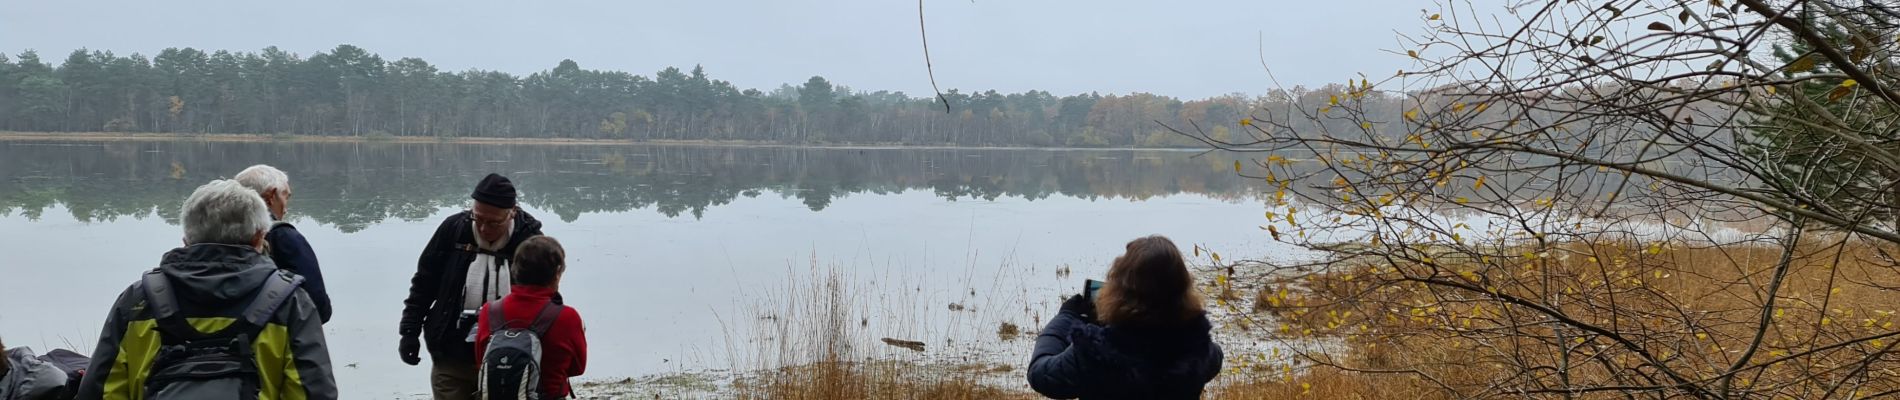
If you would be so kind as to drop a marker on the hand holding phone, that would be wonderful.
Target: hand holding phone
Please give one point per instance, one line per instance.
(1089, 287)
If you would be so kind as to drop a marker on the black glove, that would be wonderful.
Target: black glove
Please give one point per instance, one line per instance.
(1080, 306)
(411, 349)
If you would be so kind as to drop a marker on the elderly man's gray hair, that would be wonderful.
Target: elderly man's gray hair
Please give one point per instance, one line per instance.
(262, 178)
(224, 212)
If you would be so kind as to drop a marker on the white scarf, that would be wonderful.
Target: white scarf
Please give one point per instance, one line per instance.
(488, 277)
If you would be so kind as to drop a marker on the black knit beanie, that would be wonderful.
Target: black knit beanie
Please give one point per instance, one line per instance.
(495, 190)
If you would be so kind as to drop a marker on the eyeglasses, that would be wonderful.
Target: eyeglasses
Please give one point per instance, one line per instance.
(496, 223)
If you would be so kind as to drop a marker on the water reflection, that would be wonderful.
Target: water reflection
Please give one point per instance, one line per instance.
(672, 248)
(352, 186)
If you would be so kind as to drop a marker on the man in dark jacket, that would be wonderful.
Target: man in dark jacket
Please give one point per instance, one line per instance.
(1075, 358)
(464, 266)
(287, 246)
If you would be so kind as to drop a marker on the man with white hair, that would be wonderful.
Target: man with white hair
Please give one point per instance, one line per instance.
(216, 319)
(287, 246)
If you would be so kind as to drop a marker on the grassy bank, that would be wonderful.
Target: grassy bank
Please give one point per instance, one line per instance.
(1357, 332)
(1594, 320)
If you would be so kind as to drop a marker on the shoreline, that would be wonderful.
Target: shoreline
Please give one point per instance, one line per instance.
(103, 137)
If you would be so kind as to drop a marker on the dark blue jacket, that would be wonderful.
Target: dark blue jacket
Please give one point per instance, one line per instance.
(290, 251)
(1078, 359)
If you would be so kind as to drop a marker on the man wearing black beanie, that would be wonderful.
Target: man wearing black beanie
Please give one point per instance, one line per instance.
(464, 266)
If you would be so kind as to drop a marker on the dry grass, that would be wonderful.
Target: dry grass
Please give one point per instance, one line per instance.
(1689, 309)
(813, 347)
(1693, 311)
(872, 380)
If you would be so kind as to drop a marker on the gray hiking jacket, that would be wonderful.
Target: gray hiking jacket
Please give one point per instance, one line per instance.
(214, 284)
(28, 378)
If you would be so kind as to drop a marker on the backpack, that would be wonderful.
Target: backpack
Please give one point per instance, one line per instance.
(511, 365)
(217, 365)
(27, 377)
(71, 363)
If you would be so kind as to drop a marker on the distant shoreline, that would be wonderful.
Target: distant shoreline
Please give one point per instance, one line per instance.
(8, 136)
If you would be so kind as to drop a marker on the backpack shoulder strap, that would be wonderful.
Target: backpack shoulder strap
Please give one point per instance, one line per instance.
(546, 320)
(497, 322)
(279, 288)
(162, 303)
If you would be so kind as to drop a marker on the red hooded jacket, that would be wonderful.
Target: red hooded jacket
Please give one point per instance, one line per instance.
(563, 348)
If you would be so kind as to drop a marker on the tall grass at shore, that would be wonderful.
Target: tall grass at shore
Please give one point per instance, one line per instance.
(815, 338)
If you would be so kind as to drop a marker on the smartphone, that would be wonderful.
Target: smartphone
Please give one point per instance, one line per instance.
(1089, 287)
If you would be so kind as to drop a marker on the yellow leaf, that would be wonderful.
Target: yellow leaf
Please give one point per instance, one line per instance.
(1334, 100)
(1803, 64)
(1849, 83)
(1479, 184)
(1246, 121)
(1462, 200)
(1434, 17)
(1236, 166)
(1413, 53)
(1838, 93)
(1411, 115)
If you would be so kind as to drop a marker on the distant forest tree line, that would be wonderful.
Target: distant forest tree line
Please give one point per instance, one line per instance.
(349, 91)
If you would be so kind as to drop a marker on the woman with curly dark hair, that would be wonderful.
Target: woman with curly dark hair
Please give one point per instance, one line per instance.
(1144, 336)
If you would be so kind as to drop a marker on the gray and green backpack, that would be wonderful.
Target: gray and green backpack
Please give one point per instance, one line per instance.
(217, 365)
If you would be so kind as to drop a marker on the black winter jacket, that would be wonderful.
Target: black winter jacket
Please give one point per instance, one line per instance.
(435, 292)
(292, 252)
(1078, 359)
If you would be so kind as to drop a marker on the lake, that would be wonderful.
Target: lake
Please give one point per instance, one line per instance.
(676, 253)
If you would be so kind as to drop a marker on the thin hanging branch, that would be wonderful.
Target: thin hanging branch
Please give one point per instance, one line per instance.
(925, 34)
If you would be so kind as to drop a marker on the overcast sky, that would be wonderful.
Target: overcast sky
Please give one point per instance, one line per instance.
(1178, 48)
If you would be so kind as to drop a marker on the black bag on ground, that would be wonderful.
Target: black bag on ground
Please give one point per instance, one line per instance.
(73, 364)
(217, 365)
(511, 365)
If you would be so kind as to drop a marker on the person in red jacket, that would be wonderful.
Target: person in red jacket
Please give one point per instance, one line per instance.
(538, 266)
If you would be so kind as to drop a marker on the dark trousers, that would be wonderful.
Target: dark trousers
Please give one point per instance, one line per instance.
(453, 380)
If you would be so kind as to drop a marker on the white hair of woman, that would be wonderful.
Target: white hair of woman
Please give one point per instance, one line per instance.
(270, 183)
(263, 178)
(224, 212)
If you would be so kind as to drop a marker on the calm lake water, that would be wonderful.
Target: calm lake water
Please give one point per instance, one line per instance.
(675, 253)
